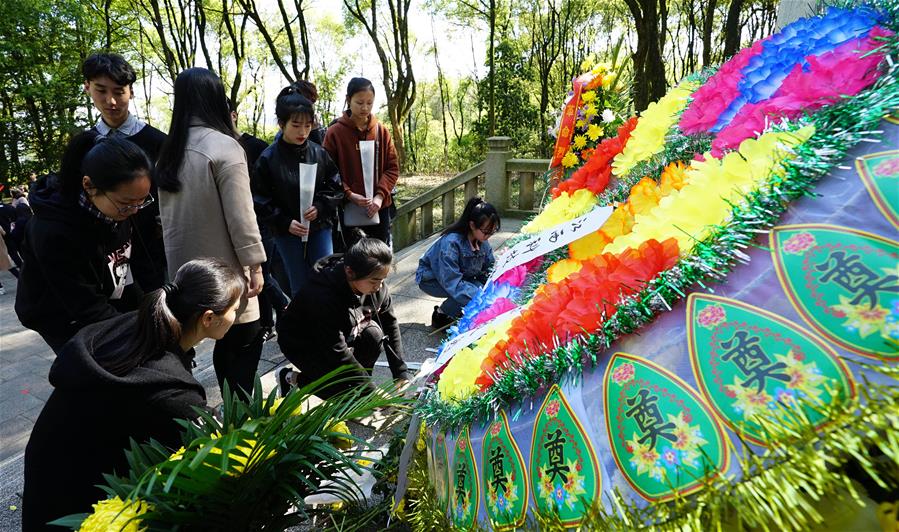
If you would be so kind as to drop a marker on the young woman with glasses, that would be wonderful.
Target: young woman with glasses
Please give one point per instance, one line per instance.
(78, 245)
(457, 265)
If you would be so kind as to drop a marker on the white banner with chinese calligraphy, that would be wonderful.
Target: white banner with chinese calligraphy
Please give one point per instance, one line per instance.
(551, 239)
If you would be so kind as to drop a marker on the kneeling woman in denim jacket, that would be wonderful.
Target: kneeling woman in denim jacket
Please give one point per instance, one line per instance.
(458, 264)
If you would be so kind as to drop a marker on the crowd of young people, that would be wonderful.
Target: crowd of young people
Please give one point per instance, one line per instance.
(144, 243)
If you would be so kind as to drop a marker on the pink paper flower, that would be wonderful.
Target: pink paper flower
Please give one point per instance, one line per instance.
(500, 306)
(717, 93)
(552, 409)
(844, 71)
(514, 277)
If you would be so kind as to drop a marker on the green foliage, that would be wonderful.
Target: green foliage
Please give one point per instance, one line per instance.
(516, 111)
(251, 467)
(42, 43)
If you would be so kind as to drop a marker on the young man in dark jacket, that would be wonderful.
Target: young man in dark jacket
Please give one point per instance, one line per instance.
(302, 235)
(343, 317)
(109, 81)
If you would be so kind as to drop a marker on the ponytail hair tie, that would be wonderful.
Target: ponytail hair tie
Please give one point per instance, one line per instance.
(170, 289)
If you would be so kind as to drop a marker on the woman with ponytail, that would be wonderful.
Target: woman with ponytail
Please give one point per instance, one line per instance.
(78, 246)
(125, 378)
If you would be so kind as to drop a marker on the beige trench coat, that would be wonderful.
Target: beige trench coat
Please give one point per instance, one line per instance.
(212, 215)
(5, 260)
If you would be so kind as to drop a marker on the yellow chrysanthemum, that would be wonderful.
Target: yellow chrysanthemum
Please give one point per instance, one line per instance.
(342, 428)
(588, 63)
(580, 124)
(713, 186)
(569, 160)
(579, 142)
(648, 138)
(588, 96)
(601, 68)
(590, 111)
(562, 209)
(608, 79)
(116, 514)
(562, 269)
(594, 131)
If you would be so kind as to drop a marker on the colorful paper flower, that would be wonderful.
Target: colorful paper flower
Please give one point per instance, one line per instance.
(623, 374)
(648, 137)
(711, 316)
(594, 175)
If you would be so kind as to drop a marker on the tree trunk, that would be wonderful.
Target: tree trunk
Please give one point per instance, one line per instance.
(708, 19)
(732, 29)
(649, 69)
(492, 81)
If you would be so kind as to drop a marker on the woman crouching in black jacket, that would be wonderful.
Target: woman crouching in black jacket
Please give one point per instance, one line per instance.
(123, 378)
(342, 317)
(302, 235)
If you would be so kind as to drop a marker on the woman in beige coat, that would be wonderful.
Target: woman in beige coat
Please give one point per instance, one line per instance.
(207, 209)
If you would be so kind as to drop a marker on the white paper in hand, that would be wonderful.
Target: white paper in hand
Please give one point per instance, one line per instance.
(367, 153)
(307, 190)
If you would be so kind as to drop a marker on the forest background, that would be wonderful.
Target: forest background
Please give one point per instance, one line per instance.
(449, 73)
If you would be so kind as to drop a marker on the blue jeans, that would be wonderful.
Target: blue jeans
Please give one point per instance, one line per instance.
(299, 256)
(450, 307)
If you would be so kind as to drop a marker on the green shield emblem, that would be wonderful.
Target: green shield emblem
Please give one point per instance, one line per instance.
(564, 471)
(464, 489)
(751, 363)
(880, 174)
(665, 440)
(504, 479)
(843, 282)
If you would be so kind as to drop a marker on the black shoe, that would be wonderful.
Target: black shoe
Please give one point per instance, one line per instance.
(283, 385)
(268, 333)
(439, 320)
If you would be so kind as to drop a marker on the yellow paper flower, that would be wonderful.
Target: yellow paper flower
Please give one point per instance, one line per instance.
(569, 160)
(113, 514)
(562, 269)
(594, 131)
(648, 138)
(562, 209)
(713, 186)
(588, 96)
(457, 380)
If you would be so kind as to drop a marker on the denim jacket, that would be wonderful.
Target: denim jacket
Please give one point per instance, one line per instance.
(460, 270)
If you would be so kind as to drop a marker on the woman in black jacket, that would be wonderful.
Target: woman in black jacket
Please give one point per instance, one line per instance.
(342, 317)
(77, 248)
(125, 378)
(302, 236)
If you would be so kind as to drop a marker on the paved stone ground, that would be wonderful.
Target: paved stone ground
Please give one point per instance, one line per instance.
(25, 362)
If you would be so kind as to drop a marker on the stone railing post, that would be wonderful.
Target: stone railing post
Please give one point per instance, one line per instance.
(497, 181)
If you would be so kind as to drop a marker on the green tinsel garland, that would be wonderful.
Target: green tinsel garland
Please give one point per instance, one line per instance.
(838, 128)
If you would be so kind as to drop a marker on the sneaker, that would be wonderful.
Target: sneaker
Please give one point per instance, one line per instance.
(268, 333)
(283, 384)
(439, 320)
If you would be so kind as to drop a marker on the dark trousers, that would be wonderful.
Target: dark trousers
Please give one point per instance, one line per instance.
(272, 298)
(364, 351)
(236, 356)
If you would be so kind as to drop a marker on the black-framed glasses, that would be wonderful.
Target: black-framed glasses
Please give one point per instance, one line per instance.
(489, 233)
(125, 209)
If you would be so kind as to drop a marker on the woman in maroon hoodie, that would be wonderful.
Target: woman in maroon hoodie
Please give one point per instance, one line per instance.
(342, 141)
